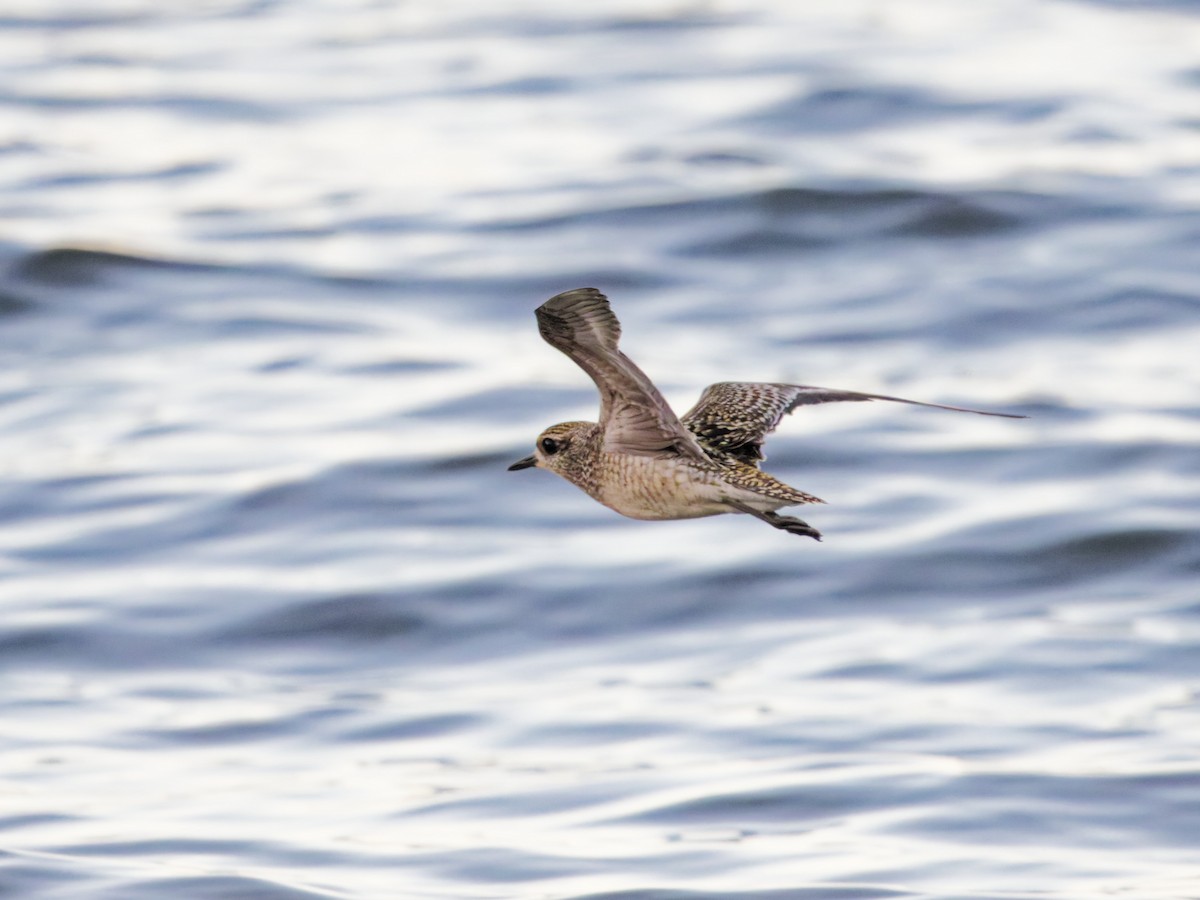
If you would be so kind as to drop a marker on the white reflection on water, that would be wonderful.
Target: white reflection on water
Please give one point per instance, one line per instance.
(387, 111)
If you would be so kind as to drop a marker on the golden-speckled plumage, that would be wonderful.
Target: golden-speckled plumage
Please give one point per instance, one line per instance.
(642, 460)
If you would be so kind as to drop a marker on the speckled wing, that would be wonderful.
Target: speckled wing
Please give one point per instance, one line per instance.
(734, 417)
(635, 416)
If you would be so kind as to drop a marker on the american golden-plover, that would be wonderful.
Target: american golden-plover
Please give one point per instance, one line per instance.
(645, 462)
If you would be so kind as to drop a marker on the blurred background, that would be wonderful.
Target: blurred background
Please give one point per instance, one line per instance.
(275, 622)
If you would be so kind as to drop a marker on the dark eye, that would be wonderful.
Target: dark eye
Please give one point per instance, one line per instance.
(549, 446)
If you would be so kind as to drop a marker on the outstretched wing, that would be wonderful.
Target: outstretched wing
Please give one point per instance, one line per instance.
(635, 417)
(734, 416)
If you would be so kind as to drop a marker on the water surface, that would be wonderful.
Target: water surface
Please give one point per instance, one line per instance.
(277, 623)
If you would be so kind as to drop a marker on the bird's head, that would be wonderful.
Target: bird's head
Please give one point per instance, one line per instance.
(560, 448)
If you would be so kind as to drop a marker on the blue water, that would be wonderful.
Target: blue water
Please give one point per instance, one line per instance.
(275, 622)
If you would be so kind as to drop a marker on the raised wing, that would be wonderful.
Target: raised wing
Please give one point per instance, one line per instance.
(735, 416)
(635, 417)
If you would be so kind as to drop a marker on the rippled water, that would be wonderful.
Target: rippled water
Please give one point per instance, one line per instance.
(277, 623)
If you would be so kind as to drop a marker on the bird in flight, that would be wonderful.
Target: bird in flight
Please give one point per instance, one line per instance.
(644, 461)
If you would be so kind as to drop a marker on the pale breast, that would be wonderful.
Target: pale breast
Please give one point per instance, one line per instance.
(643, 487)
